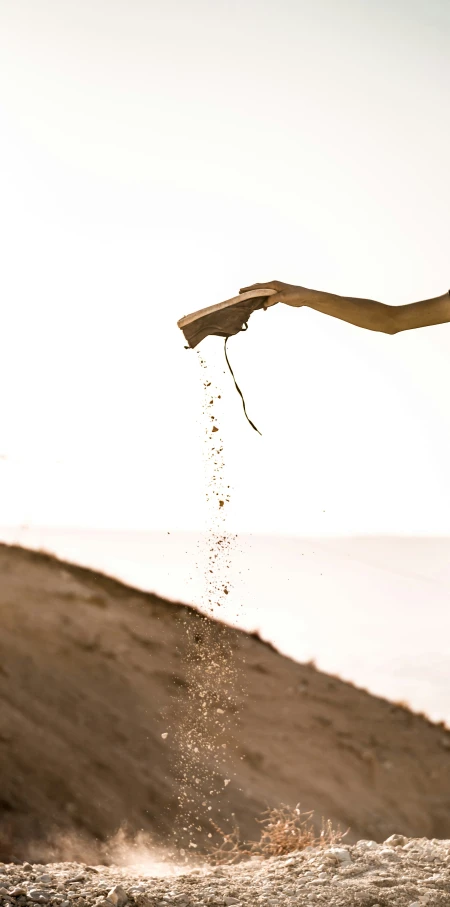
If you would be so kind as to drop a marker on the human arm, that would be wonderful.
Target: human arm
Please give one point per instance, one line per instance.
(364, 313)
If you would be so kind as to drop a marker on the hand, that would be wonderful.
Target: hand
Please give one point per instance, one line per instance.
(286, 292)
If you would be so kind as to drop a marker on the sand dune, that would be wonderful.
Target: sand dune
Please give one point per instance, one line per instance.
(92, 672)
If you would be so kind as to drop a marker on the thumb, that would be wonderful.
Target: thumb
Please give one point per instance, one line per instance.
(272, 300)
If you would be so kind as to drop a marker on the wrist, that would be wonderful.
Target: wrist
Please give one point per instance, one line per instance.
(298, 297)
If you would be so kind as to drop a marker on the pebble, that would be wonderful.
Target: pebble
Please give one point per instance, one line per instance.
(118, 896)
(340, 853)
(387, 854)
(396, 840)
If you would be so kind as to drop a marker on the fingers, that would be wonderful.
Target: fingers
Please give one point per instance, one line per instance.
(254, 286)
(268, 285)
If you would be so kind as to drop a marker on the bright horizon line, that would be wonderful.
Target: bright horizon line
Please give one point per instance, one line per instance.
(205, 531)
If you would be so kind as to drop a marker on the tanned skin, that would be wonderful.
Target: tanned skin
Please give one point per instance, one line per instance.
(364, 313)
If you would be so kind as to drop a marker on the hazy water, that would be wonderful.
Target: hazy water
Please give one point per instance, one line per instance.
(373, 610)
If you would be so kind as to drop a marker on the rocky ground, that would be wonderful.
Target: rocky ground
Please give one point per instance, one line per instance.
(401, 872)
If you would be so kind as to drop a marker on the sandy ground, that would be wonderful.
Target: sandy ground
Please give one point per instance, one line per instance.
(92, 673)
(401, 873)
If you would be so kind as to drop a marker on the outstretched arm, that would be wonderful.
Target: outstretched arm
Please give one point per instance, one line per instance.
(364, 313)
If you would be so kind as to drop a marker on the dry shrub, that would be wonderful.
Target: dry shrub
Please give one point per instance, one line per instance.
(284, 830)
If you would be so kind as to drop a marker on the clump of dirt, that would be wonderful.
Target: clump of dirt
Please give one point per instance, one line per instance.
(204, 734)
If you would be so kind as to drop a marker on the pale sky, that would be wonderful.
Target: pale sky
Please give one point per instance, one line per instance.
(156, 156)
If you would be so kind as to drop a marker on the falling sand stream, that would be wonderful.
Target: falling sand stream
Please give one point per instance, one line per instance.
(204, 732)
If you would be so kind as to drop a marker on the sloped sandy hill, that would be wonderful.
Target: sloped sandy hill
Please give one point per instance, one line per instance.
(92, 672)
